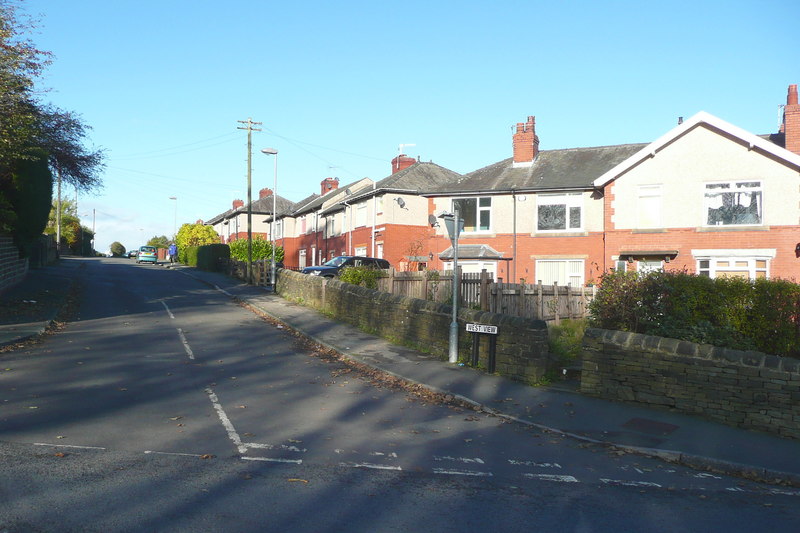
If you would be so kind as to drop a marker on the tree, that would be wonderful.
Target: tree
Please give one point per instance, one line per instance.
(70, 223)
(26, 125)
(117, 249)
(196, 235)
(159, 242)
(25, 195)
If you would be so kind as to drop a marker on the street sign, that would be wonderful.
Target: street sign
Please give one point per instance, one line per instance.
(482, 328)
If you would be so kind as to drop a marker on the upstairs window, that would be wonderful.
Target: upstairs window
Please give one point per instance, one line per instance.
(734, 203)
(476, 213)
(559, 212)
(648, 208)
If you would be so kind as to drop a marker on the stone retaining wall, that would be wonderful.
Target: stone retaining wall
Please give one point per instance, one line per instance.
(522, 350)
(740, 388)
(12, 268)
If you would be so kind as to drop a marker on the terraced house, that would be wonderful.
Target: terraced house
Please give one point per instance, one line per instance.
(707, 197)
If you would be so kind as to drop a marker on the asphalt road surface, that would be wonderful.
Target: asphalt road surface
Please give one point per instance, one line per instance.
(165, 406)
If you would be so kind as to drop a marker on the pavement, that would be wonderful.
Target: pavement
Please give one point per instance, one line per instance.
(559, 408)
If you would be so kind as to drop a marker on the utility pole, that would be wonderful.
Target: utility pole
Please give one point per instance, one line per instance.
(248, 125)
(58, 215)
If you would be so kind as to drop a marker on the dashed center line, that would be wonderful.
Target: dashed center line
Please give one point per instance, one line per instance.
(167, 309)
(185, 344)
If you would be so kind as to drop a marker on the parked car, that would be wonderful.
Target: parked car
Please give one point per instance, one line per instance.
(332, 268)
(147, 254)
(132, 254)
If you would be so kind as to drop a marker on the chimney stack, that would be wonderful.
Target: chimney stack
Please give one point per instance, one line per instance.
(238, 203)
(526, 143)
(401, 162)
(791, 121)
(263, 193)
(329, 184)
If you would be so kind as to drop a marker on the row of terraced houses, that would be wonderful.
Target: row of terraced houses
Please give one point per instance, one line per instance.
(707, 197)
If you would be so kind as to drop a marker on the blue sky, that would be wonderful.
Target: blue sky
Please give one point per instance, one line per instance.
(339, 86)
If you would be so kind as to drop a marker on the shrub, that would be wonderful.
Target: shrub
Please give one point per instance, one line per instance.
(209, 256)
(729, 312)
(361, 275)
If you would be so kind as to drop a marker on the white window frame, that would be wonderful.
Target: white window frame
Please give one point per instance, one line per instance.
(360, 251)
(279, 229)
(360, 219)
(575, 270)
(479, 209)
(708, 262)
(570, 201)
(645, 266)
(734, 187)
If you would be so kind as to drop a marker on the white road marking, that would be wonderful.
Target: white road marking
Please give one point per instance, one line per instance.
(258, 445)
(272, 460)
(68, 446)
(185, 344)
(226, 423)
(168, 311)
(458, 459)
(533, 463)
(151, 452)
(461, 472)
(630, 483)
(370, 465)
(552, 477)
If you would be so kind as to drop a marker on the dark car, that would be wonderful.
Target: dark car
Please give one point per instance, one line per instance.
(332, 268)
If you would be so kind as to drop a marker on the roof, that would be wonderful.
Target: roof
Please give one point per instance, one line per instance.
(262, 206)
(420, 177)
(473, 251)
(755, 142)
(570, 168)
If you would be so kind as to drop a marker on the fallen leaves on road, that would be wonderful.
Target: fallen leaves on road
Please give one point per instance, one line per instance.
(296, 480)
(59, 454)
(207, 456)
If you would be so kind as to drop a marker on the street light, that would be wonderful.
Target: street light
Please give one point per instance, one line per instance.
(175, 224)
(273, 151)
(454, 225)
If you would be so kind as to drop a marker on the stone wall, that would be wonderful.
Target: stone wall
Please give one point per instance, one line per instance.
(12, 268)
(522, 350)
(740, 388)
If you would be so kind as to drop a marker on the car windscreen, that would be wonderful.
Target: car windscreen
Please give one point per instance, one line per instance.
(335, 262)
(147, 249)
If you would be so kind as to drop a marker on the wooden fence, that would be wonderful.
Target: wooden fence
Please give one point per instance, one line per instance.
(551, 303)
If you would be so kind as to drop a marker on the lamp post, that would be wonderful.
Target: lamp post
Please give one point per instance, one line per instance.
(273, 151)
(454, 225)
(175, 223)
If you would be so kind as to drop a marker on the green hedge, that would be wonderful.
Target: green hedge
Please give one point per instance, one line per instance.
(210, 256)
(736, 313)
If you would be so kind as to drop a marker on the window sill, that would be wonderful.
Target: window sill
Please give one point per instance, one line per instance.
(650, 230)
(560, 234)
(706, 229)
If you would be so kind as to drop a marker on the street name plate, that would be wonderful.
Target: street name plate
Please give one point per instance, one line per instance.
(482, 328)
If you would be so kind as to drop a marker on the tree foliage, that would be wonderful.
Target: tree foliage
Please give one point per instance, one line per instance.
(159, 241)
(28, 126)
(117, 249)
(195, 235)
(25, 194)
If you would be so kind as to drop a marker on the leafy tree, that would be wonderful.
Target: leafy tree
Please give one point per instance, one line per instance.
(262, 249)
(159, 242)
(70, 223)
(117, 249)
(26, 125)
(195, 235)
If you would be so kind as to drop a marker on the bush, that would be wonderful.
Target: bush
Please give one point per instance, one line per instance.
(261, 249)
(361, 275)
(188, 255)
(209, 256)
(730, 312)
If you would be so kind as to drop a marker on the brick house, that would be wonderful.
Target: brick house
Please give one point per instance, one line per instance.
(232, 224)
(706, 197)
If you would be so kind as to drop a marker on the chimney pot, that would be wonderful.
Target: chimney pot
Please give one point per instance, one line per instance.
(263, 193)
(238, 203)
(791, 121)
(525, 143)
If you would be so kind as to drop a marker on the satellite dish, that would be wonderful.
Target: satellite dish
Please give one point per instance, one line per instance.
(432, 221)
(400, 202)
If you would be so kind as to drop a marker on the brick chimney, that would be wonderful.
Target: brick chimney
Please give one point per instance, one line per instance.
(791, 121)
(263, 193)
(329, 184)
(526, 143)
(401, 162)
(238, 203)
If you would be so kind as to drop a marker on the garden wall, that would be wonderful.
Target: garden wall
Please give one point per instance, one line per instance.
(739, 388)
(12, 268)
(522, 350)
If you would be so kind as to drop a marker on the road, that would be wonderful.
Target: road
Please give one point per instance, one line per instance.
(165, 406)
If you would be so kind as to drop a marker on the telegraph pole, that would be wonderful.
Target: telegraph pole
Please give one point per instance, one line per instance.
(248, 125)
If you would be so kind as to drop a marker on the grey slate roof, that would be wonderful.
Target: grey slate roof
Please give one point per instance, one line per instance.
(420, 177)
(571, 168)
(262, 206)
